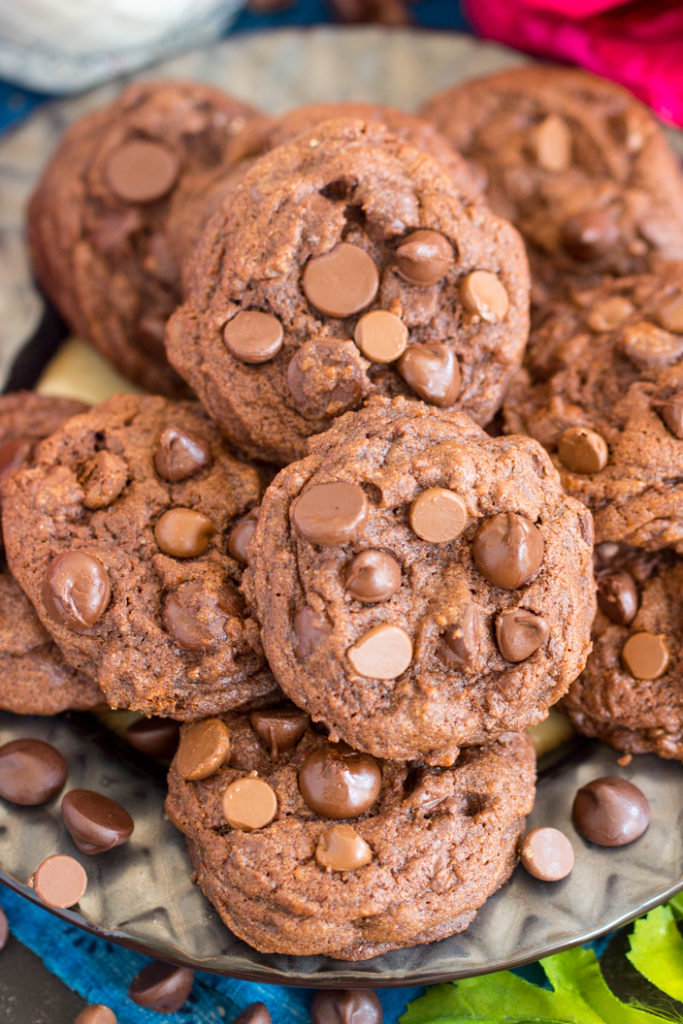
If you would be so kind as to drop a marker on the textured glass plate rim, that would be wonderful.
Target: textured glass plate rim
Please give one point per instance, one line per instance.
(231, 64)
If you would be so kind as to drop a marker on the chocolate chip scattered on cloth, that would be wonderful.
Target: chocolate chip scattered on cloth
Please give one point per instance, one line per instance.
(97, 221)
(325, 234)
(578, 165)
(307, 847)
(630, 694)
(129, 507)
(603, 392)
(34, 678)
(420, 585)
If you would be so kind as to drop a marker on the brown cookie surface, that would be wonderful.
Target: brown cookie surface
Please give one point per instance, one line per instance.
(629, 694)
(98, 219)
(130, 506)
(404, 854)
(346, 264)
(420, 585)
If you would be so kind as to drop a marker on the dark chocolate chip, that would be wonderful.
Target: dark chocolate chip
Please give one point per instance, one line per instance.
(154, 737)
(346, 1006)
(94, 822)
(195, 615)
(97, 1014)
(311, 628)
(611, 811)
(373, 576)
(424, 257)
(326, 377)
(241, 534)
(279, 728)
(336, 782)
(520, 633)
(161, 987)
(618, 597)
(183, 532)
(255, 1013)
(432, 371)
(590, 234)
(76, 590)
(31, 772)
(4, 929)
(181, 454)
(508, 550)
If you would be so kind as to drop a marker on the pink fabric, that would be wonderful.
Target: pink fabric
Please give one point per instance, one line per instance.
(639, 44)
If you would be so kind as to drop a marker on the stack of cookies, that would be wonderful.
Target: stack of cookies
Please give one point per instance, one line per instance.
(349, 538)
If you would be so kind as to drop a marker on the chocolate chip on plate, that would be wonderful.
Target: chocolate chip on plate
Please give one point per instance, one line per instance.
(155, 737)
(255, 1013)
(341, 848)
(4, 929)
(508, 549)
(546, 853)
(31, 772)
(346, 1006)
(60, 881)
(97, 1014)
(94, 822)
(76, 591)
(331, 513)
(204, 747)
(337, 782)
(161, 987)
(341, 282)
(610, 811)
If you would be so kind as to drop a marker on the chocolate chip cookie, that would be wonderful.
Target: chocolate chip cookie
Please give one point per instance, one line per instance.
(347, 264)
(420, 585)
(308, 847)
(575, 162)
(630, 692)
(34, 679)
(131, 566)
(604, 393)
(97, 222)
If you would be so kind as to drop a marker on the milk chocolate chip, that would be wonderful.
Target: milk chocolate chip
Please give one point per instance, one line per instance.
(60, 881)
(340, 848)
(610, 811)
(341, 282)
(14, 454)
(546, 853)
(553, 144)
(482, 293)
(508, 550)
(181, 454)
(438, 515)
(195, 614)
(183, 533)
(279, 728)
(373, 576)
(618, 597)
(381, 336)
(310, 627)
(253, 337)
(520, 633)
(645, 656)
(249, 803)
(384, 652)
(582, 450)
(331, 513)
(590, 235)
(424, 257)
(432, 372)
(161, 987)
(669, 313)
(337, 782)
(94, 822)
(204, 747)
(461, 642)
(76, 591)
(31, 772)
(648, 346)
(241, 534)
(97, 1014)
(4, 929)
(141, 171)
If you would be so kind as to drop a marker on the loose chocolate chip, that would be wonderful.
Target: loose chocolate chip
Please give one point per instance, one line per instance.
(325, 377)
(373, 576)
(609, 314)
(670, 408)
(310, 628)
(462, 641)
(384, 652)
(141, 171)
(508, 550)
(249, 803)
(424, 257)
(432, 372)
(330, 513)
(98, 1014)
(60, 881)
(154, 737)
(279, 728)
(204, 747)
(482, 293)
(31, 772)
(610, 811)
(645, 656)
(253, 337)
(255, 1013)
(669, 313)
(240, 536)
(582, 450)
(346, 1006)
(14, 454)
(103, 479)
(438, 515)
(161, 987)
(4, 929)
(618, 597)
(94, 822)
(590, 235)
(76, 591)
(183, 533)
(553, 144)
(546, 853)
(519, 633)
(181, 454)
(341, 282)
(340, 848)
(195, 615)
(381, 336)
(649, 346)
(337, 782)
